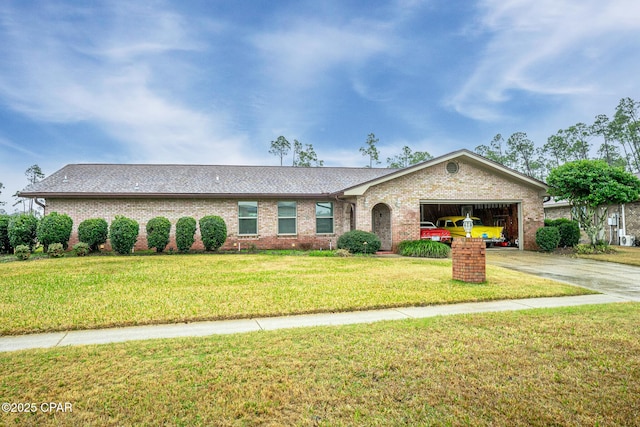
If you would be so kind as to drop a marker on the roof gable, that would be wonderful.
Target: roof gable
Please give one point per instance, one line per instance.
(497, 168)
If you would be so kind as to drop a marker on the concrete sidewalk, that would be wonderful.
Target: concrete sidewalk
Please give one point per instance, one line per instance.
(113, 335)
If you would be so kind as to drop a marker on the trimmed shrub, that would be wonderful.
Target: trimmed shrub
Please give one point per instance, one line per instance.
(54, 228)
(354, 242)
(22, 230)
(22, 252)
(423, 248)
(93, 232)
(123, 234)
(213, 232)
(81, 249)
(185, 232)
(55, 250)
(158, 230)
(569, 234)
(548, 238)
(569, 231)
(5, 244)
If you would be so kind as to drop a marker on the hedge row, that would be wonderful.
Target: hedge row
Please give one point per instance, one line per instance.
(123, 233)
(26, 231)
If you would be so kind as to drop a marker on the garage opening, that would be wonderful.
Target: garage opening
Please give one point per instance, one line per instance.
(500, 213)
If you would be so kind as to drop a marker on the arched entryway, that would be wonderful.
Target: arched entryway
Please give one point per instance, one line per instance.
(381, 223)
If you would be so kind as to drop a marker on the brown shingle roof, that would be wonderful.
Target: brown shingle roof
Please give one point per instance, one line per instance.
(113, 180)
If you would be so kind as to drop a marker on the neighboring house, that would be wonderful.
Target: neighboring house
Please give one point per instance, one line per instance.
(285, 207)
(623, 224)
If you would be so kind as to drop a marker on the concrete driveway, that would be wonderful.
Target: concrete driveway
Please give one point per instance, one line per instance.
(607, 277)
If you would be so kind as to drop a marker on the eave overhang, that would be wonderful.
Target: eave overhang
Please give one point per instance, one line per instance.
(465, 155)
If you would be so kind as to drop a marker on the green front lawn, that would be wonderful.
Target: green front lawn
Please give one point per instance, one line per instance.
(621, 255)
(569, 366)
(93, 292)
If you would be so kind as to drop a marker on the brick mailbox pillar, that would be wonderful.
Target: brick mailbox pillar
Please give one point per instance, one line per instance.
(469, 260)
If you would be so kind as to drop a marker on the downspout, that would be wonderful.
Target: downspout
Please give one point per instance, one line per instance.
(624, 224)
(37, 202)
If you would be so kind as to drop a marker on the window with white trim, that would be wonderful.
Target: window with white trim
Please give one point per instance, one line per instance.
(247, 218)
(287, 217)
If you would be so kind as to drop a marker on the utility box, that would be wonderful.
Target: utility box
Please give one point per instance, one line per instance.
(627, 240)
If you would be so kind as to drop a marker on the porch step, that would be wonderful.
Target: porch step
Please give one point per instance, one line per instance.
(385, 253)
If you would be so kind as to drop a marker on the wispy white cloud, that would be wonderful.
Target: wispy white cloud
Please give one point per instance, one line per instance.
(547, 48)
(117, 75)
(300, 54)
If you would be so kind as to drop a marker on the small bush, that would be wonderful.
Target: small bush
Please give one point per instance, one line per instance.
(343, 253)
(185, 232)
(55, 250)
(123, 234)
(158, 230)
(54, 228)
(548, 238)
(22, 252)
(213, 232)
(354, 242)
(600, 248)
(22, 230)
(569, 231)
(81, 249)
(423, 248)
(5, 244)
(93, 232)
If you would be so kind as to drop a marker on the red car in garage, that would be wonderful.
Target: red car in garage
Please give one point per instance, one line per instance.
(429, 231)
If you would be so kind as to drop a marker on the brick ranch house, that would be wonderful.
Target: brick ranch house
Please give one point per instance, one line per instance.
(285, 207)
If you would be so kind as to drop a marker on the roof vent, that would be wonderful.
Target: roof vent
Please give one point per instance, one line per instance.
(65, 179)
(137, 187)
(452, 167)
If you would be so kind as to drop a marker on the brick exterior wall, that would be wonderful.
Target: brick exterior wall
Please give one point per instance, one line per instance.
(631, 214)
(469, 262)
(142, 210)
(396, 205)
(403, 195)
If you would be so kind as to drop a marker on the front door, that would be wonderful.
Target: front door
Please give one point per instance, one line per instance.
(381, 222)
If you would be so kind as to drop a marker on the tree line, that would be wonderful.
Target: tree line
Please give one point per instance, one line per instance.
(305, 156)
(616, 140)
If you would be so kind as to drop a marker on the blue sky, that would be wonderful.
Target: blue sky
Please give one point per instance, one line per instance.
(214, 82)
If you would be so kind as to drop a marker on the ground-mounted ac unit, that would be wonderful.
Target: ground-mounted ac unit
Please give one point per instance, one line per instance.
(627, 240)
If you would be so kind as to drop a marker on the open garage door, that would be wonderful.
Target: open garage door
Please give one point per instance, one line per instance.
(507, 214)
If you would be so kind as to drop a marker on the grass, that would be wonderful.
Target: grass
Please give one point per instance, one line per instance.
(622, 255)
(569, 366)
(94, 292)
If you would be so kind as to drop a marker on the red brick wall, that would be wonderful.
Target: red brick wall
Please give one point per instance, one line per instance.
(142, 210)
(469, 260)
(470, 183)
